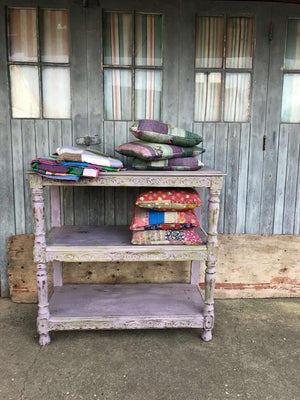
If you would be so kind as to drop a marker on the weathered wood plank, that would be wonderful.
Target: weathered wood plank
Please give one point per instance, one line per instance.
(221, 146)
(242, 179)
(6, 175)
(291, 180)
(18, 175)
(67, 209)
(109, 194)
(231, 190)
(281, 178)
(29, 153)
(257, 120)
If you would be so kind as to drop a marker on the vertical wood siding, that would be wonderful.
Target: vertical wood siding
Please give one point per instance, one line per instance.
(261, 192)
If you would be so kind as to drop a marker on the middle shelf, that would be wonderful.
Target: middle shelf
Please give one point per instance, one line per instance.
(113, 243)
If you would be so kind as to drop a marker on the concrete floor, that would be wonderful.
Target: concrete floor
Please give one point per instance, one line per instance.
(254, 355)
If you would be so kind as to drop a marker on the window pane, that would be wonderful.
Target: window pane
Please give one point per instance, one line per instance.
(239, 43)
(209, 42)
(24, 91)
(148, 88)
(54, 36)
(117, 39)
(117, 94)
(237, 97)
(22, 35)
(292, 51)
(148, 40)
(56, 97)
(208, 96)
(290, 111)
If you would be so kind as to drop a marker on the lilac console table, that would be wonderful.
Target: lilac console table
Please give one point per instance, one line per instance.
(122, 306)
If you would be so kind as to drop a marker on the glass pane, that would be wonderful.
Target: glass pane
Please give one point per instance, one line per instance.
(292, 51)
(56, 98)
(290, 111)
(24, 91)
(117, 38)
(239, 43)
(148, 88)
(54, 36)
(117, 94)
(208, 96)
(209, 42)
(22, 35)
(148, 40)
(237, 97)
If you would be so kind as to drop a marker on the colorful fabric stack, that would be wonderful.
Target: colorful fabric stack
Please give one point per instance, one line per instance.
(166, 216)
(71, 163)
(162, 147)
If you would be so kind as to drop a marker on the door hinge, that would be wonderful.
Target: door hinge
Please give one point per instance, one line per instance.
(271, 29)
(264, 143)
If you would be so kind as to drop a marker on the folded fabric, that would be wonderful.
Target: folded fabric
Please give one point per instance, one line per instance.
(180, 236)
(70, 153)
(166, 199)
(144, 219)
(159, 132)
(173, 164)
(153, 151)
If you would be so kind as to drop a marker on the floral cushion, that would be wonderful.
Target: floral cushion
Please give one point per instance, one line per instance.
(144, 219)
(166, 199)
(173, 164)
(180, 236)
(158, 132)
(153, 151)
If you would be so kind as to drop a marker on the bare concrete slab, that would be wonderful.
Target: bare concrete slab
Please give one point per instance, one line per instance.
(254, 355)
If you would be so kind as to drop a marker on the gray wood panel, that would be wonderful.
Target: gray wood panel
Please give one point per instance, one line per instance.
(234, 131)
(242, 179)
(18, 176)
(291, 180)
(7, 219)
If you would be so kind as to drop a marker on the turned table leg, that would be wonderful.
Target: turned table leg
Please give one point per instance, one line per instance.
(210, 271)
(40, 260)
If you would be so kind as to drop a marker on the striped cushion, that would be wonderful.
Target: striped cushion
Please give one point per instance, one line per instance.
(153, 151)
(173, 164)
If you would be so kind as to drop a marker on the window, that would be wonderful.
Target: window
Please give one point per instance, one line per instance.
(38, 59)
(290, 110)
(132, 64)
(223, 68)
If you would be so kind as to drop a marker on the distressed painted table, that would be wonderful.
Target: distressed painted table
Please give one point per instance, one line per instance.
(122, 306)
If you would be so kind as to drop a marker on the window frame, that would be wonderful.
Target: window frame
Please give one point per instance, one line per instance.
(133, 67)
(286, 71)
(39, 63)
(223, 70)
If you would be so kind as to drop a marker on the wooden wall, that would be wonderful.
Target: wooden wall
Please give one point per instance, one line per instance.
(262, 190)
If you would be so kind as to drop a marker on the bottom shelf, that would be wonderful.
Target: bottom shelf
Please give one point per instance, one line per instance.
(126, 306)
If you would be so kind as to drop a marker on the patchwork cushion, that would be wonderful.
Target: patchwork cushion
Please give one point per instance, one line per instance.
(153, 151)
(173, 164)
(166, 199)
(143, 219)
(179, 236)
(158, 132)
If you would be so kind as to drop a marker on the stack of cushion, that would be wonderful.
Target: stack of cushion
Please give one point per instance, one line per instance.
(166, 216)
(162, 147)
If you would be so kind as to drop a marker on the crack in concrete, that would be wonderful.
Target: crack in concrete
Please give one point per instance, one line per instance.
(27, 374)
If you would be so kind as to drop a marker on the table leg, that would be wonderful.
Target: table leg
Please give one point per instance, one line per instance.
(210, 271)
(40, 260)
